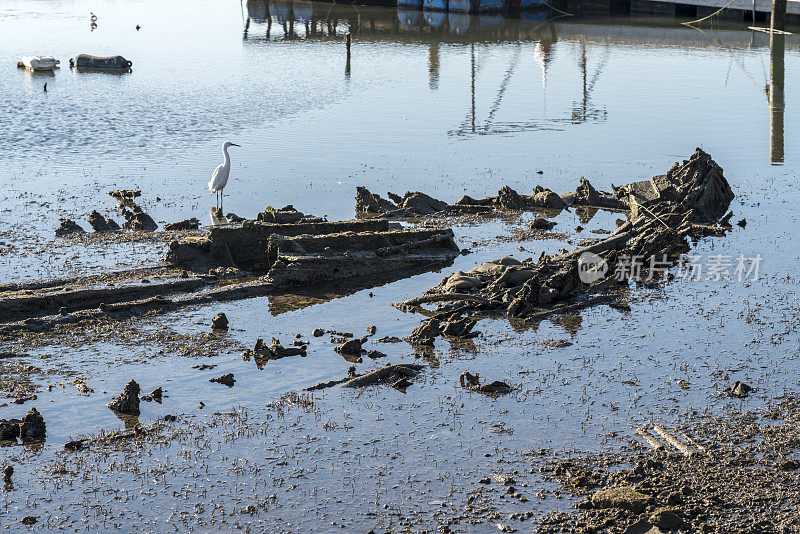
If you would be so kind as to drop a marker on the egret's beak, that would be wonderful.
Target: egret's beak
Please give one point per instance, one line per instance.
(234, 144)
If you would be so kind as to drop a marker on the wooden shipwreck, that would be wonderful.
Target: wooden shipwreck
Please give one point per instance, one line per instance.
(235, 261)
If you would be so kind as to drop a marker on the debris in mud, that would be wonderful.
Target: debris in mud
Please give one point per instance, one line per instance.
(402, 384)
(137, 219)
(742, 223)
(156, 395)
(109, 438)
(29, 520)
(8, 472)
(350, 348)
(471, 382)
(285, 215)
(226, 379)
(412, 204)
(426, 333)
(275, 351)
(663, 213)
(125, 195)
(187, 224)
(416, 204)
(739, 389)
(68, 227)
(318, 332)
(624, 497)
(9, 429)
(542, 224)
(128, 401)
(459, 328)
(385, 375)
(204, 366)
(102, 225)
(391, 374)
(30, 429)
(587, 196)
(83, 389)
(219, 322)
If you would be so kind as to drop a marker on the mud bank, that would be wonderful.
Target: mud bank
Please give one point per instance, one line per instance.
(738, 473)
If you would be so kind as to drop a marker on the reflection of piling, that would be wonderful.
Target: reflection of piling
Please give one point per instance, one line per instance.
(778, 19)
(433, 66)
(777, 45)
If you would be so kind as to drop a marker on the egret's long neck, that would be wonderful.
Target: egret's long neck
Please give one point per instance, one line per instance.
(226, 156)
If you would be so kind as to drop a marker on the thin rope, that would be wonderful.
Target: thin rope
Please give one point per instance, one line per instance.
(556, 9)
(709, 16)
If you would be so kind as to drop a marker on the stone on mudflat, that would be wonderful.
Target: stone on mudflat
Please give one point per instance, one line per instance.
(623, 497)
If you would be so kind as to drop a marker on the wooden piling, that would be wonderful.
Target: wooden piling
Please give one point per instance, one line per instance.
(777, 45)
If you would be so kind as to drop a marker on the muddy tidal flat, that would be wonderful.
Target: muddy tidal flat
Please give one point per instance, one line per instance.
(479, 274)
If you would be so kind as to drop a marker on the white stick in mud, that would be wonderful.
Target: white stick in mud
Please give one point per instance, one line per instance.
(672, 440)
(650, 439)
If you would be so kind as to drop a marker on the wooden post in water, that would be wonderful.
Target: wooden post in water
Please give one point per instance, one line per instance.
(778, 20)
(347, 41)
(777, 46)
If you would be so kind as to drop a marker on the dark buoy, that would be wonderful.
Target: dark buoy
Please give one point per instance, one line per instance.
(45, 87)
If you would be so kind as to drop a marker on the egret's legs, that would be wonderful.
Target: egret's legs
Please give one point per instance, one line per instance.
(220, 201)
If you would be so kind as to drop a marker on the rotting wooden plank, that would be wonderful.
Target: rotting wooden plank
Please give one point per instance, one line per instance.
(693, 443)
(685, 449)
(650, 439)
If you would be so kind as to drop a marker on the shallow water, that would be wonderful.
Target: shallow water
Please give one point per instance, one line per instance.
(419, 109)
(443, 111)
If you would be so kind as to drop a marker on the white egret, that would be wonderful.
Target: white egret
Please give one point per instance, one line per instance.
(220, 177)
